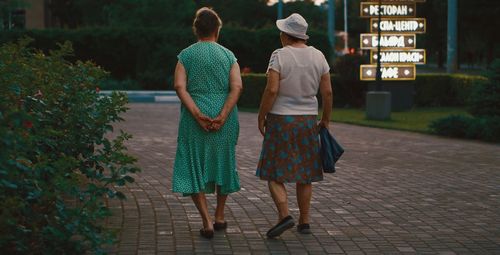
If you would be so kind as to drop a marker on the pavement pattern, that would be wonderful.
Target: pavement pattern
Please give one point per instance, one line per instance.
(393, 193)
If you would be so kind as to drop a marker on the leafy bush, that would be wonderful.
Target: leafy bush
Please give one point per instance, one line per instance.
(348, 89)
(486, 129)
(111, 84)
(453, 125)
(149, 55)
(253, 88)
(444, 89)
(484, 105)
(489, 130)
(56, 165)
(485, 98)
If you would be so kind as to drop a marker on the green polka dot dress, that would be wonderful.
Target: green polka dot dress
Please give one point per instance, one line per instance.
(206, 159)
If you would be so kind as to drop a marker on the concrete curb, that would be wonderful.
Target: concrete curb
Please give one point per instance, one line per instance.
(144, 96)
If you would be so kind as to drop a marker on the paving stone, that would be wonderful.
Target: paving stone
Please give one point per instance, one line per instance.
(393, 193)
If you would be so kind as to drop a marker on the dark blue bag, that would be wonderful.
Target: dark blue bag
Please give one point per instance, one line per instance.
(330, 150)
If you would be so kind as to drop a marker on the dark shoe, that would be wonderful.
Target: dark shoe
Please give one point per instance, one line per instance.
(220, 226)
(284, 225)
(207, 233)
(304, 228)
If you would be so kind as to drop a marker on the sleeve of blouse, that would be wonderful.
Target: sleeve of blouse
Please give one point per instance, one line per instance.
(232, 58)
(325, 68)
(182, 57)
(274, 62)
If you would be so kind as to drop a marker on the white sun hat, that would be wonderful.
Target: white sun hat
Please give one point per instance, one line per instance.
(295, 25)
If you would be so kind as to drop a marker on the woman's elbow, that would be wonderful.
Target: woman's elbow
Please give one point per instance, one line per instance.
(179, 88)
(328, 94)
(272, 92)
(238, 89)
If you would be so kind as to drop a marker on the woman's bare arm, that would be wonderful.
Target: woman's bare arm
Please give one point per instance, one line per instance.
(235, 86)
(180, 86)
(325, 87)
(268, 98)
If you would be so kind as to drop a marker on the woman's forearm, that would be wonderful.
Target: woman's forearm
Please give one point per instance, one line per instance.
(231, 101)
(270, 93)
(236, 86)
(327, 102)
(326, 96)
(188, 102)
(267, 103)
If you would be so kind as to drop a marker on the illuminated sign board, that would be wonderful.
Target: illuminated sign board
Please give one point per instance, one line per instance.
(399, 25)
(399, 56)
(401, 1)
(389, 72)
(370, 10)
(396, 41)
(394, 34)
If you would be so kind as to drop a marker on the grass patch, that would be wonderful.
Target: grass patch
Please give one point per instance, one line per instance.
(416, 120)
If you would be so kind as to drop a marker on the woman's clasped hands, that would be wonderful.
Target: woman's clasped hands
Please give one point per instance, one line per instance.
(210, 125)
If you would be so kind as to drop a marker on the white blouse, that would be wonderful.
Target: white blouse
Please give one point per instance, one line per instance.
(300, 74)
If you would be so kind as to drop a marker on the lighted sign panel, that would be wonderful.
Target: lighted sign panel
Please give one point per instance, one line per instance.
(399, 25)
(370, 10)
(399, 56)
(393, 41)
(400, 1)
(389, 72)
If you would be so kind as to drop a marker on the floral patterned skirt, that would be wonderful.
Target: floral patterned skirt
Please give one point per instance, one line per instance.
(290, 151)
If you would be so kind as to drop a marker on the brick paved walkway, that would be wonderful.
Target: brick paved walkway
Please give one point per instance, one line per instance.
(394, 192)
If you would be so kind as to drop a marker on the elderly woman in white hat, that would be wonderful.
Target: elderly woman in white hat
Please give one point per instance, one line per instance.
(288, 121)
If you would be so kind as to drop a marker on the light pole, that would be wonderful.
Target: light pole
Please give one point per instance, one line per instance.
(451, 65)
(346, 44)
(280, 9)
(379, 71)
(331, 28)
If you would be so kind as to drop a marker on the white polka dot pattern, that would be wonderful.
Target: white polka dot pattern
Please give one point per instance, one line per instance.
(205, 159)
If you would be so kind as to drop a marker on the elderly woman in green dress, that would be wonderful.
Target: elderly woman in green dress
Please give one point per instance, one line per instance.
(208, 83)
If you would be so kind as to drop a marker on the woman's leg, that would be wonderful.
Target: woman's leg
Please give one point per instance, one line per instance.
(278, 193)
(221, 203)
(304, 194)
(200, 201)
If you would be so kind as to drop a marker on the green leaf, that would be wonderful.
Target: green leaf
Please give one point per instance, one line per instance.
(120, 195)
(8, 184)
(128, 179)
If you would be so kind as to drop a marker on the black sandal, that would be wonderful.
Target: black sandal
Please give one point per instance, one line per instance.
(282, 226)
(220, 226)
(207, 233)
(304, 228)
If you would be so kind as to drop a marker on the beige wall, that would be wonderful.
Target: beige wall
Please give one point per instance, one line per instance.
(35, 14)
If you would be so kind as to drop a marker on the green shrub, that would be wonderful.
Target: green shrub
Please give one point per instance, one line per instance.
(347, 88)
(253, 88)
(490, 129)
(149, 55)
(111, 84)
(453, 125)
(485, 98)
(444, 89)
(460, 126)
(483, 104)
(56, 165)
